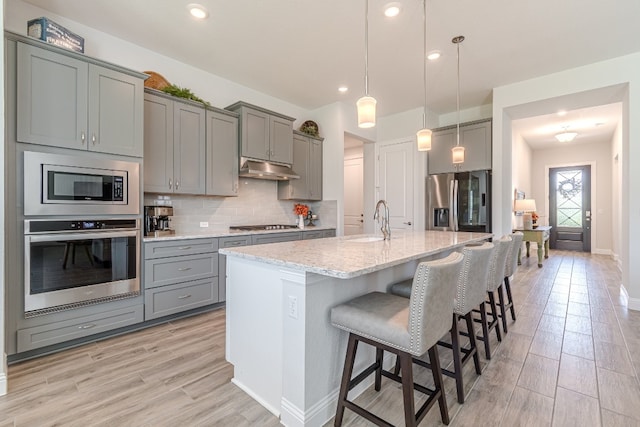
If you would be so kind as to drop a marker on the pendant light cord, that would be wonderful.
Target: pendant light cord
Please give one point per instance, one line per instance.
(366, 47)
(458, 97)
(424, 63)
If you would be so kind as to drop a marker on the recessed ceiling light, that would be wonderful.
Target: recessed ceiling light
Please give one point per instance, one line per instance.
(598, 124)
(562, 113)
(433, 55)
(343, 89)
(392, 9)
(198, 11)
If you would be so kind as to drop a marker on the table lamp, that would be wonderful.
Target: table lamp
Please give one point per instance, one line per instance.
(526, 206)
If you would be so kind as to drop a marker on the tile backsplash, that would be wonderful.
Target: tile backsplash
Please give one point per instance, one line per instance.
(257, 203)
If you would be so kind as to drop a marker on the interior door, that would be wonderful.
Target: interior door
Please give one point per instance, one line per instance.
(353, 196)
(570, 208)
(396, 182)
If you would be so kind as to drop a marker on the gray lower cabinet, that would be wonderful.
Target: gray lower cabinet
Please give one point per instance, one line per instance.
(69, 101)
(329, 233)
(306, 235)
(260, 239)
(77, 327)
(307, 162)
(222, 153)
(179, 275)
(228, 242)
(475, 137)
(174, 145)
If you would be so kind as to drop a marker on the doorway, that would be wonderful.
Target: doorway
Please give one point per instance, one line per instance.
(570, 208)
(353, 187)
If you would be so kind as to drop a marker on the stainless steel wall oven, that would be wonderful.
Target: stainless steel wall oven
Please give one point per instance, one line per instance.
(72, 263)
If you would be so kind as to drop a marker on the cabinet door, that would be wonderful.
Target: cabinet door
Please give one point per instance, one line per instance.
(440, 154)
(115, 112)
(255, 134)
(299, 188)
(476, 139)
(222, 154)
(52, 98)
(188, 149)
(315, 169)
(260, 239)
(158, 144)
(227, 242)
(281, 140)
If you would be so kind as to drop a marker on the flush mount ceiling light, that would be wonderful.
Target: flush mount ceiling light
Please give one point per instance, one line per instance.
(424, 135)
(562, 113)
(198, 11)
(392, 9)
(433, 55)
(457, 152)
(566, 136)
(343, 89)
(367, 104)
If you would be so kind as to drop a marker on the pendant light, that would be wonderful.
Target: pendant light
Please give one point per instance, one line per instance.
(367, 104)
(424, 135)
(458, 151)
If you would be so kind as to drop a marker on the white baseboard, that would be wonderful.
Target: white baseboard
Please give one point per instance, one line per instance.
(3, 384)
(268, 407)
(602, 251)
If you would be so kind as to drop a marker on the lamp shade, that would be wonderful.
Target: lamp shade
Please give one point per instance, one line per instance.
(457, 153)
(525, 205)
(424, 139)
(366, 112)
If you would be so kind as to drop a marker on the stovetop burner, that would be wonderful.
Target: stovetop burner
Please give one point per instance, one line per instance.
(262, 227)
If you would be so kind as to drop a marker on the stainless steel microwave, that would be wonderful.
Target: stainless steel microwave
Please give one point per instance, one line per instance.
(56, 184)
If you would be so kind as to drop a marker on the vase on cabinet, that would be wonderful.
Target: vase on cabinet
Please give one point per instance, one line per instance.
(300, 221)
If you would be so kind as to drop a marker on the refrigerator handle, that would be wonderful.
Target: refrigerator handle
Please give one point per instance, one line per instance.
(454, 204)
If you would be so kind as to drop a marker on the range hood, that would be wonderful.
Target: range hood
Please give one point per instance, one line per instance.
(265, 170)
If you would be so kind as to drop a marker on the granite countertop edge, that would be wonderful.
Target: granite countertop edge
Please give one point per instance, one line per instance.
(228, 233)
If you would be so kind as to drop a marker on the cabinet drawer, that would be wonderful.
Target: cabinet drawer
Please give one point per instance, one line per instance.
(57, 332)
(169, 248)
(329, 233)
(232, 242)
(312, 235)
(173, 299)
(260, 239)
(167, 271)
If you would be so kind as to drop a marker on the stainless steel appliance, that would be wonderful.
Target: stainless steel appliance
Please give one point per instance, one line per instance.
(459, 201)
(72, 263)
(56, 184)
(262, 227)
(157, 221)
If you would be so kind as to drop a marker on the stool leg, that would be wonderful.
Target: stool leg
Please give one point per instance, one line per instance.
(507, 287)
(503, 311)
(436, 371)
(472, 341)
(494, 314)
(406, 363)
(457, 362)
(379, 357)
(349, 360)
(485, 330)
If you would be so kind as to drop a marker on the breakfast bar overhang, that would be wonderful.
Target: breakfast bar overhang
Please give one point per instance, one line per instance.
(285, 353)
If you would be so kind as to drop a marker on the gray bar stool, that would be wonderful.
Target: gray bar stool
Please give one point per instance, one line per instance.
(471, 292)
(510, 270)
(497, 264)
(404, 327)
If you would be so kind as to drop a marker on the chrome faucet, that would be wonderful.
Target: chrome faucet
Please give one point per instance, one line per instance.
(383, 219)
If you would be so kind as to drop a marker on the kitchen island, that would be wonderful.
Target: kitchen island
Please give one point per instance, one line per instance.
(285, 352)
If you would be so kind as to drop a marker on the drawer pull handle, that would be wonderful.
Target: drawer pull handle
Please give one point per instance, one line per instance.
(87, 326)
(184, 296)
(184, 248)
(184, 269)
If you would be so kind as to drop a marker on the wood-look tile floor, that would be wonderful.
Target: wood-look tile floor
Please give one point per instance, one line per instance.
(571, 359)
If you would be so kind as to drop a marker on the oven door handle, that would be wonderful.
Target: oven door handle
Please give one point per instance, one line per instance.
(53, 237)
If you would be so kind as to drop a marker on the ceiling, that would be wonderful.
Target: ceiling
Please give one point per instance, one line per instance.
(301, 50)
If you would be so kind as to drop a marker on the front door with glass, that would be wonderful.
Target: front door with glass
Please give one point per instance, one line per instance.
(570, 208)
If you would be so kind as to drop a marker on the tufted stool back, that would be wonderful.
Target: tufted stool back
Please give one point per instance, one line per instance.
(512, 257)
(497, 263)
(472, 283)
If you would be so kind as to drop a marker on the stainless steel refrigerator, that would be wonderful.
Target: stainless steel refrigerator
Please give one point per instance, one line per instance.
(459, 201)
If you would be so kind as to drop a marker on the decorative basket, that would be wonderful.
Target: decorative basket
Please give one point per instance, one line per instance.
(155, 81)
(310, 128)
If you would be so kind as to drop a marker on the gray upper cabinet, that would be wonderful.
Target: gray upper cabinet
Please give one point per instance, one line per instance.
(64, 101)
(475, 137)
(264, 134)
(222, 153)
(307, 162)
(174, 146)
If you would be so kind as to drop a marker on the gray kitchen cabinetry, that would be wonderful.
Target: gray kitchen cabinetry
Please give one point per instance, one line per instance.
(307, 235)
(260, 239)
(307, 162)
(179, 275)
(264, 134)
(475, 137)
(228, 242)
(329, 233)
(222, 153)
(174, 145)
(65, 101)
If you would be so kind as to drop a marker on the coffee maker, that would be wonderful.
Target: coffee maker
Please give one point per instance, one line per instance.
(157, 221)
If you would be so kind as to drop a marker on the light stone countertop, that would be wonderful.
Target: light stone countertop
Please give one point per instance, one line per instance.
(229, 233)
(350, 256)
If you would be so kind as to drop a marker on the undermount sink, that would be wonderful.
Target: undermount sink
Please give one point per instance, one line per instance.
(366, 239)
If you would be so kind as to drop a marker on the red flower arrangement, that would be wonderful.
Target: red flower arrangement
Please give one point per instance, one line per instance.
(300, 209)
(534, 216)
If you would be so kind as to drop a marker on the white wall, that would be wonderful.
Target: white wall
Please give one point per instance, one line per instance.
(616, 200)
(622, 75)
(597, 155)
(521, 161)
(3, 356)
